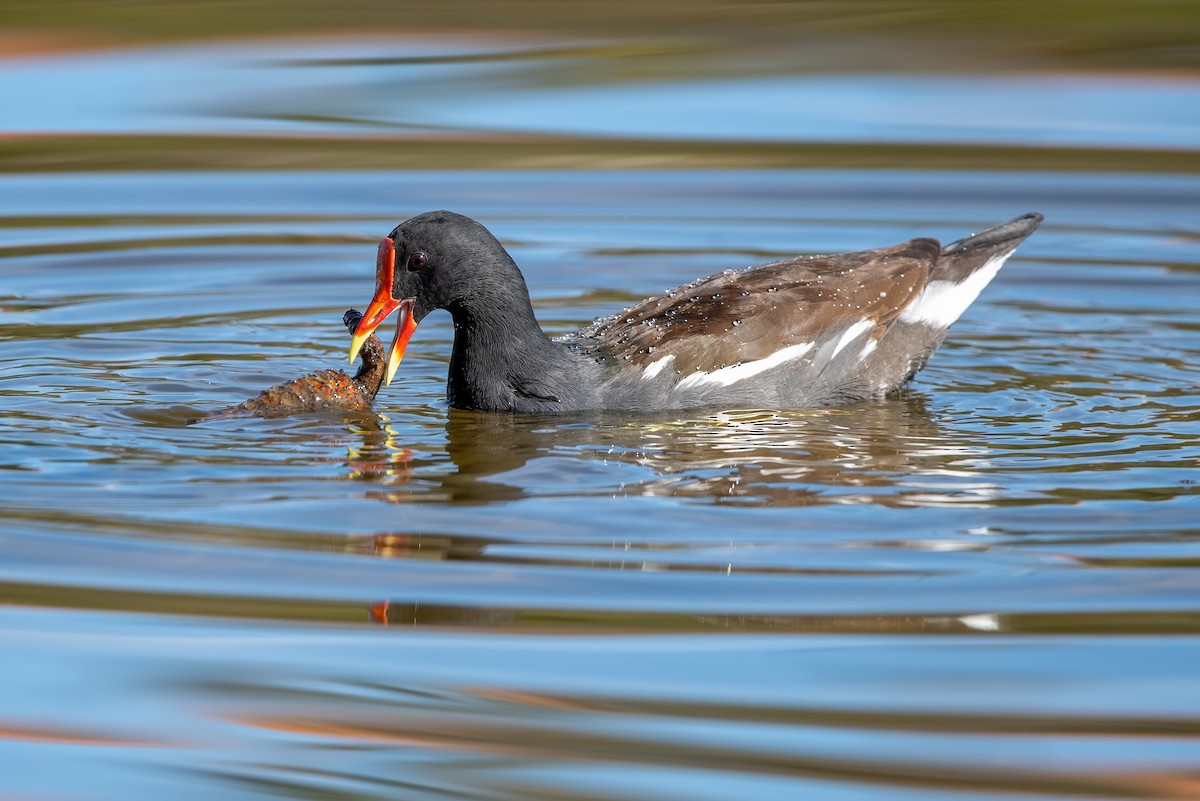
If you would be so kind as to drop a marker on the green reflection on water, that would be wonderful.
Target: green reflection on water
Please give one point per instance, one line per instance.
(1118, 33)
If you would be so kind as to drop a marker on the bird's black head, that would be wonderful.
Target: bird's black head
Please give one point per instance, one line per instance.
(437, 260)
(445, 260)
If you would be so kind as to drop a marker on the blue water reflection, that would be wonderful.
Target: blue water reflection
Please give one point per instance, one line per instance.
(985, 588)
(384, 86)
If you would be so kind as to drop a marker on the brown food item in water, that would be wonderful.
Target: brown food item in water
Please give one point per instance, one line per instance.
(320, 391)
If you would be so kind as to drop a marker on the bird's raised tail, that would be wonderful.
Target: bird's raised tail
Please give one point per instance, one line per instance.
(964, 268)
(1009, 233)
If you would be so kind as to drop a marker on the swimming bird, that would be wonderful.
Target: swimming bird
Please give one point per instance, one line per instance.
(800, 332)
(319, 391)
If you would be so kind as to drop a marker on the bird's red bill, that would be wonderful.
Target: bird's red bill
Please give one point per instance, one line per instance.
(404, 331)
(382, 305)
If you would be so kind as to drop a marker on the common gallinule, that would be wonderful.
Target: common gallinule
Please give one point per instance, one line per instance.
(804, 331)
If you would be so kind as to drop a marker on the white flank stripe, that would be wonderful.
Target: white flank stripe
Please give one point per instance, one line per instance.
(942, 302)
(737, 372)
(868, 349)
(654, 368)
(852, 333)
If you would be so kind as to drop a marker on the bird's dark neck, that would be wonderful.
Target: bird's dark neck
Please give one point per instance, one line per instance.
(502, 361)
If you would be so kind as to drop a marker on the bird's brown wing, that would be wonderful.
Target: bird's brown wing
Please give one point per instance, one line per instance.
(744, 315)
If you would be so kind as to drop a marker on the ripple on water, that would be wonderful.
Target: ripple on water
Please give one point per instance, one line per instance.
(985, 586)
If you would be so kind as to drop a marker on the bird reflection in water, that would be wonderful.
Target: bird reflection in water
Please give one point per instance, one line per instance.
(890, 453)
(380, 458)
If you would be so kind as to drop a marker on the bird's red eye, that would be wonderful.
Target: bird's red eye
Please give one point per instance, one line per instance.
(417, 260)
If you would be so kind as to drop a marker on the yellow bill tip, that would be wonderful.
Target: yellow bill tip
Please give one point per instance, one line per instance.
(393, 364)
(356, 345)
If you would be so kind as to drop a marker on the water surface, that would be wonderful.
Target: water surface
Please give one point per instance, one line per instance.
(985, 587)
